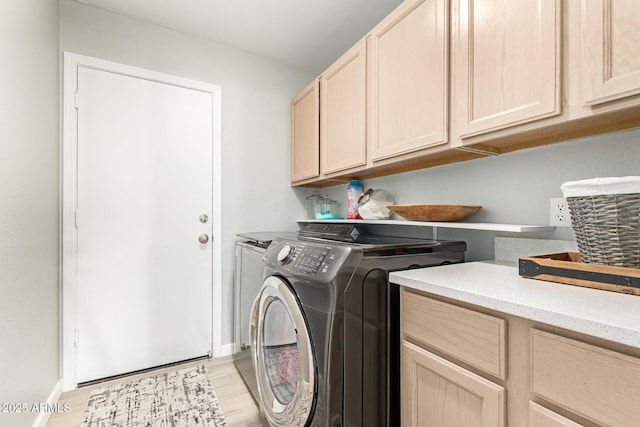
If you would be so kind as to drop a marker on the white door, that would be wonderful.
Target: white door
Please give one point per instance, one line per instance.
(144, 279)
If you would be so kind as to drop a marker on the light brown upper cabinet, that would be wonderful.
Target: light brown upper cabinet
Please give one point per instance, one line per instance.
(441, 81)
(305, 134)
(342, 112)
(610, 50)
(408, 80)
(506, 63)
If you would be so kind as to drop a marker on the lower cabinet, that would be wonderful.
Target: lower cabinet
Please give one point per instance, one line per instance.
(436, 392)
(539, 416)
(601, 385)
(463, 365)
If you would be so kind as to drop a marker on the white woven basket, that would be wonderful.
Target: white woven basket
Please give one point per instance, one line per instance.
(605, 216)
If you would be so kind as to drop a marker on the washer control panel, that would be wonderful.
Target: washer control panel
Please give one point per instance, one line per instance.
(304, 258)
(309, 259)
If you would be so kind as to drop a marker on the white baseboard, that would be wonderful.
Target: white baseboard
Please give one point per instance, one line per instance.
(43, 416)
(227, 349)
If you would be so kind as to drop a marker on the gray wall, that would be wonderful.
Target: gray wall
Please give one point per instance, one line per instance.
(513, 188)
(29, 238)
(255, 116)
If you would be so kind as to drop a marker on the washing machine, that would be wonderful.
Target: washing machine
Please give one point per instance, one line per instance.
(325, 325)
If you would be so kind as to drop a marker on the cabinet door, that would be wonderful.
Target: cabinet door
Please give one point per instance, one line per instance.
(305, 134)
(506, 63)
(610, 50)
(542, 417)
(438, 393)
(594, 382)
(408, 87)
(342, 115)
(470, 337)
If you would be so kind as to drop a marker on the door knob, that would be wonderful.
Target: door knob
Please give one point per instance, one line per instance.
(204, 218)
(203, 238)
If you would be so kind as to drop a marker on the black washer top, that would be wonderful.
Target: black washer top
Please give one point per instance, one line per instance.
(373, 244)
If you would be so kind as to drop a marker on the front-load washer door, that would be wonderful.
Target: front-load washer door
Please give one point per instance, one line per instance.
(283, 356)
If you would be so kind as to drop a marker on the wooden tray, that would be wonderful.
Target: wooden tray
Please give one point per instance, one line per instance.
(566, 268)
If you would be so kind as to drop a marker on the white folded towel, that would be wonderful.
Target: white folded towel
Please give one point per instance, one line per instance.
(601, 186)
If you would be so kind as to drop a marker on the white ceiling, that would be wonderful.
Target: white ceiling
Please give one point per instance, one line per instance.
(307, 33)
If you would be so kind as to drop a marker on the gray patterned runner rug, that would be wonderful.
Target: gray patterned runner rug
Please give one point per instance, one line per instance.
(174, 399)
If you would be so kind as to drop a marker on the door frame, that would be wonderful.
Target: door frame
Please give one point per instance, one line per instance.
(69, 174)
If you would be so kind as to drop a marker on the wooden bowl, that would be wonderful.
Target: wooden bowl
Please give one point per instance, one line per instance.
(435, 213)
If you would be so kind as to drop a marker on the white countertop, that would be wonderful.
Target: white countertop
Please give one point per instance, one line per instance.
(496, 285)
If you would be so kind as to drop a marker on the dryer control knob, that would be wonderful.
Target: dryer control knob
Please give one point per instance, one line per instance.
(286, 253)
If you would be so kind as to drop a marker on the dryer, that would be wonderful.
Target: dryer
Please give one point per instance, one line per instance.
(249, 250)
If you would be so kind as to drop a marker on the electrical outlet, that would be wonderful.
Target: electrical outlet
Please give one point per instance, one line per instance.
(559, 212)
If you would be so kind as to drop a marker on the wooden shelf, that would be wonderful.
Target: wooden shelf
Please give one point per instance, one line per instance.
(507, 228)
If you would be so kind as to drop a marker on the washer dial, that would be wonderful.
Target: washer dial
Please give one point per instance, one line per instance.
(286, 253)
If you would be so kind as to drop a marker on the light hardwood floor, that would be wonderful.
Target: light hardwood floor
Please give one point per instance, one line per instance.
(236, 401)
